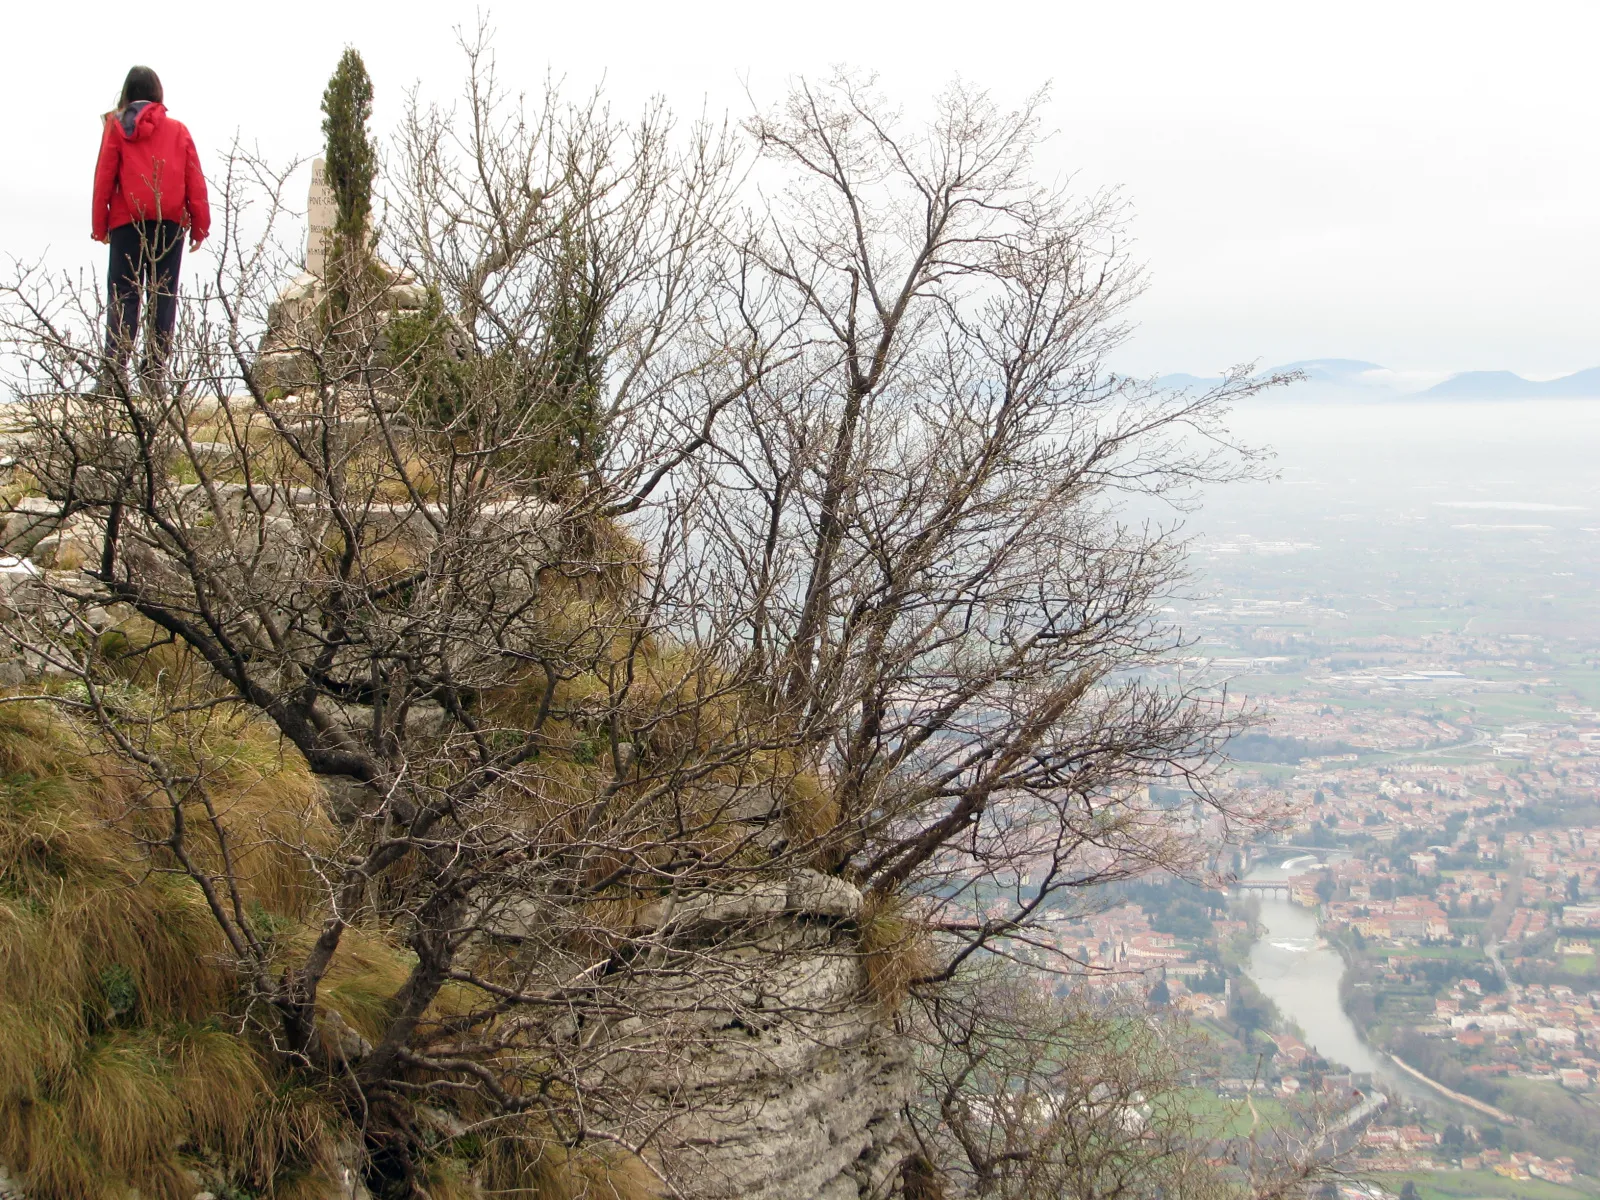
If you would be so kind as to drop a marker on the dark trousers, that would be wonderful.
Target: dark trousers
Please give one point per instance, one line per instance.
(145, 257)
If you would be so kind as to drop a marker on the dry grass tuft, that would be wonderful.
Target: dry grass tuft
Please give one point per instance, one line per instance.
(525, 1166)
(895, 950)
(810, 816)
(361, 984)
(117, 1066)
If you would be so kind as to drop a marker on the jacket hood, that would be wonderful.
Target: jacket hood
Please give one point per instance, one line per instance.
(140, 119)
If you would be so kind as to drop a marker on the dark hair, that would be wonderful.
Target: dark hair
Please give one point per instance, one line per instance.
(141, 84)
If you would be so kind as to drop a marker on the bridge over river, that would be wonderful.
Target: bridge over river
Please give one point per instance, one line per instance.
(1273, 887)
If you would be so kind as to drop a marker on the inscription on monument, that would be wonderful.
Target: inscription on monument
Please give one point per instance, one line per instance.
(321, 212)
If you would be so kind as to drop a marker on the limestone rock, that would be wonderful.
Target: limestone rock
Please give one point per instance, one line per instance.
(30, 521)
(792, 1086)
(346, 798)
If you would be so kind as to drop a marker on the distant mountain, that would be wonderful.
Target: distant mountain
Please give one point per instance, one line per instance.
(1346, 372)
(1321, 376)
(1182, 383)
(1481, 385)
(1508, 386)
(1350, 379)
(1503, 385)
(1579, 383)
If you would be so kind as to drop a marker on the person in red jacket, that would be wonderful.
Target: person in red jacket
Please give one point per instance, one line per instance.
(148, 189)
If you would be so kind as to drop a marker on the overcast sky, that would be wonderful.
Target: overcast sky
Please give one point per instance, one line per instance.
(1413, 183)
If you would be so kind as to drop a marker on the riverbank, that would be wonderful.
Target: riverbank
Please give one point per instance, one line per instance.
(1487, 1110)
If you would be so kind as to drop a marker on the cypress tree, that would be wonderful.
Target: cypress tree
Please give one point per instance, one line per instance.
(351, 158)
(350, 164)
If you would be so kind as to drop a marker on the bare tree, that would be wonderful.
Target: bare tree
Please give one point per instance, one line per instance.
(920, 515)
(1027, 1095)
(671, 585)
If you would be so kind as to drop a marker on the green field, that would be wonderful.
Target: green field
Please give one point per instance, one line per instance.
(1513, 707)
(1460, 953)
(1230, 1117)
(1485, 1185)
(1581, 683)
(1269, 685)
(1277, 772)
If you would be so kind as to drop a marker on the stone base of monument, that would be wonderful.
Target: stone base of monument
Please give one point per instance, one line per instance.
(297, 326)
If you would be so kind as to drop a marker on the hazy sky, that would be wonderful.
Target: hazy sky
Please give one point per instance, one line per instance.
(1412, 183)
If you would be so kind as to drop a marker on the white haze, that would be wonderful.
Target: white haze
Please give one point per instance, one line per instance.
(1407, 183)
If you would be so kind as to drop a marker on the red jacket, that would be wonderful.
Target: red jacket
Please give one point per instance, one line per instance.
(149, 171)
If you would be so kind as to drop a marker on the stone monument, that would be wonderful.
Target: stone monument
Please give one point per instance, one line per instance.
(321, 213)
(292, 318)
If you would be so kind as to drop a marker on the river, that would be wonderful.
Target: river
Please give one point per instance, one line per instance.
(1300, 973)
